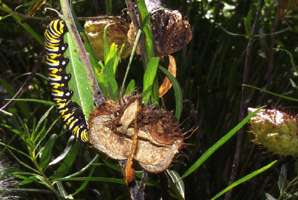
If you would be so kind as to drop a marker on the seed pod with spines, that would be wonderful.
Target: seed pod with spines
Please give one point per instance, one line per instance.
(276, 130)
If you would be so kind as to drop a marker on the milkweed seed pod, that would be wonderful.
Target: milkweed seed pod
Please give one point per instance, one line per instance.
(117, 29)
(171, 31)
(113, 124)
(275, 130)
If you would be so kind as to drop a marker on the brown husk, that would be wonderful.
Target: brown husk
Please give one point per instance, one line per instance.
(159, 136)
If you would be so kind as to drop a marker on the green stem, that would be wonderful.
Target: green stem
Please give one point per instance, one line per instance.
(130, 61)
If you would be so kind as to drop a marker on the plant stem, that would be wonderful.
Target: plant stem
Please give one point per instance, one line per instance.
(244, 99)
(130, 61)
(98, 97)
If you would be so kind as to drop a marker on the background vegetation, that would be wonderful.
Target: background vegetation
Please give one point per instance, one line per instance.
(252, 42)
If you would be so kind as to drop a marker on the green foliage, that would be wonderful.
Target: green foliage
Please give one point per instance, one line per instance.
(177, 91)
(149, 79)
(150, 83)
(79, 82)
(209, 74)
(217, 145)
(146, 28)
(245, 179)
(107, 76)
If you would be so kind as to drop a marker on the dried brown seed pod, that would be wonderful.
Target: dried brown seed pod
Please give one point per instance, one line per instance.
(276, 130)
(159, 137)
(170, 30)
(117, 29)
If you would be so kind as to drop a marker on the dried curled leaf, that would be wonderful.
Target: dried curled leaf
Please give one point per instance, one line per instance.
(275, 130)
(166, 83)
(112, 128)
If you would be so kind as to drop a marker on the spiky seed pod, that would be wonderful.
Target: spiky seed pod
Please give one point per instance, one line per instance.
(275, 130)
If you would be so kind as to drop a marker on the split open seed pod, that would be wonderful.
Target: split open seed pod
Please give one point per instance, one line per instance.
(159, 137)
(117, 29)
(275, 130)
(171, 31)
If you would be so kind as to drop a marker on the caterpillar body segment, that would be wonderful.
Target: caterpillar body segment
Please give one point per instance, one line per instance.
(69, 111)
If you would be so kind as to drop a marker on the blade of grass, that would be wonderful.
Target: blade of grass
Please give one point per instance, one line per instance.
(20, 21)
(96, 179)
(271, 93)
(49, 103)
(244, 179)
(177, 92)
(149, 79)
(84, 183)
(217, 145)
(68, 161)
(176, 184)
(41, 120)
(40, 137)
(81, 170)
(135, 44)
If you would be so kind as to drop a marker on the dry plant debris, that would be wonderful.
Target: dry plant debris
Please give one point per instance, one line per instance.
(115, 126)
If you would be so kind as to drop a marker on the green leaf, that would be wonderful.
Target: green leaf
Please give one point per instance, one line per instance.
(269, 197)
(217, 145)
(177, 92)
(130, 87)
(68, 160)
(282, 179)
(79, 83)
(25, 180)
(62, 155)
(45, 153)
(149, 78)
(244, 179)
(107, 75)
(62, 191)
(248, 23)
(97, 179)
(176, 184)
(41, 120)
(82, 170)
(146, 28)
(85, 182)
(45, 102)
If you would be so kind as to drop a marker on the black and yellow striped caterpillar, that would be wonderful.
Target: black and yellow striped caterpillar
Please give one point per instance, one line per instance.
(69, 111)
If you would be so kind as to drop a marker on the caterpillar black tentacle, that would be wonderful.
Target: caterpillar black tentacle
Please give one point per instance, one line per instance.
(69, 111)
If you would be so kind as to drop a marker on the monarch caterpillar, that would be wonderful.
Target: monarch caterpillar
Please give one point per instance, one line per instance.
(69, 111)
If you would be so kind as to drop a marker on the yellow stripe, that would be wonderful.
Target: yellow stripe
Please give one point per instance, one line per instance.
(58, 93)
(57, 85)
(73, 123)
(84, 136)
